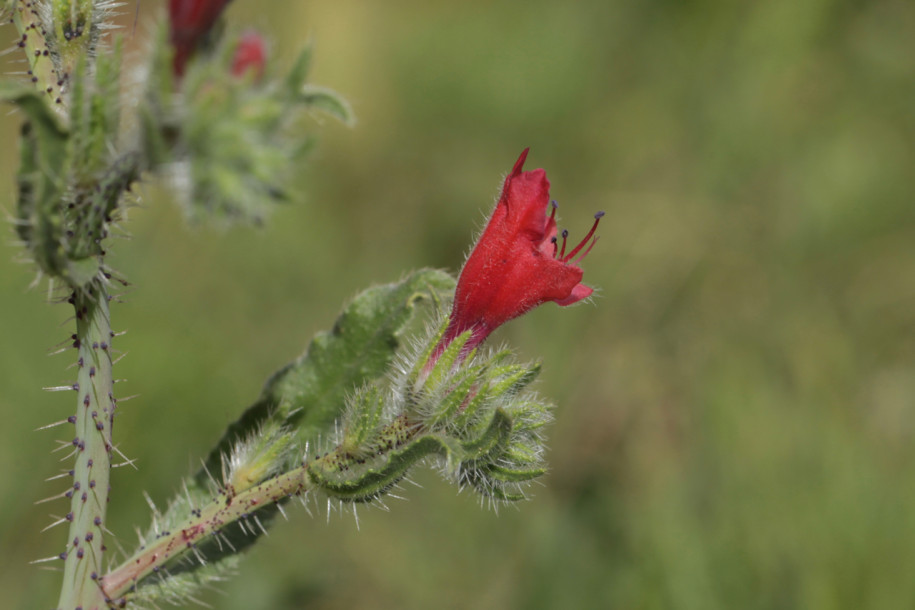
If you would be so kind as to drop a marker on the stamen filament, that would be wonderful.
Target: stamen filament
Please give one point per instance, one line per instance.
(582, 256)
(565, 235)
(584, 241)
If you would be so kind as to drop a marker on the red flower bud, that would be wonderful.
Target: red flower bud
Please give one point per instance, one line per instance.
(517, 264)
(250, 54)
(189, 22)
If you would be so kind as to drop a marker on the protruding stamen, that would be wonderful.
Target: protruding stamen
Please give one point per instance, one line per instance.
(554, 206)
(555, 247)
(584, 241)
(582, 256)
(565, 235)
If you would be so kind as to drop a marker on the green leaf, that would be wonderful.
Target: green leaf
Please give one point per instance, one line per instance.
(299, 73)
(329, 101)
(309, 394)
(40, 180)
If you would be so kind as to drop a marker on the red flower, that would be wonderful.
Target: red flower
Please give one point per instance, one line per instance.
(250, 54)
(517, 263)
(190, 21)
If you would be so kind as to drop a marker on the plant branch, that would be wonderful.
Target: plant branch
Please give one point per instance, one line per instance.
(223, 510)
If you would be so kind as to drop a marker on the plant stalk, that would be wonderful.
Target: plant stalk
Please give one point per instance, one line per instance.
(92, 445)
(225, 509)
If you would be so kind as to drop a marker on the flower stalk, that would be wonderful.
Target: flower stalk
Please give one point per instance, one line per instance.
(224, 510)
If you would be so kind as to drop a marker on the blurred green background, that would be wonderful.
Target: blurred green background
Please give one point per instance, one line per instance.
(735, 411)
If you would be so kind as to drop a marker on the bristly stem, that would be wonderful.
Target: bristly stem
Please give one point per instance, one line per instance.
(92, 446)
(202, 523)
(230, 505)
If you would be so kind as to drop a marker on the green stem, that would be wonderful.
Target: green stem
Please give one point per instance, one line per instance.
(94, 416)
(222, 511)
(230, 505)
(25, 17)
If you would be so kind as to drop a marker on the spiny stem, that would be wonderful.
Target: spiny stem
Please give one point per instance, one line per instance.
(230, 506)
(94, 416)
(222, 511)
(28, 23)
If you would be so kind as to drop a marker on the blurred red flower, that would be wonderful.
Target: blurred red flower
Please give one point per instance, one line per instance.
(189, 23)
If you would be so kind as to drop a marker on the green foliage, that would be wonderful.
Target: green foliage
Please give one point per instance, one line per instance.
(470, 413)
(69, 185)
(298, 407)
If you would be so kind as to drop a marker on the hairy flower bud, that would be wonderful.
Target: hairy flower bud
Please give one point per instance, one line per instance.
(250, 56)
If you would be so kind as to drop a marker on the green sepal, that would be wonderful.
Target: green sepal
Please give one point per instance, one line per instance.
(256, 459)
(494, 436)
(449, 407)
(359, 429)
(444, 366)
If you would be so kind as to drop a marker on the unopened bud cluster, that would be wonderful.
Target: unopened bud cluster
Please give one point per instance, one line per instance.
(216, 120)
(471, 412)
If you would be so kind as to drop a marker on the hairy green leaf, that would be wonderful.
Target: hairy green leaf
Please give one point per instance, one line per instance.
(329, 101)
(308, 394)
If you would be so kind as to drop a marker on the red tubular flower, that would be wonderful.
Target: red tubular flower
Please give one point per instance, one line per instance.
(189, 22)
(250, 54)
(517, 264)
